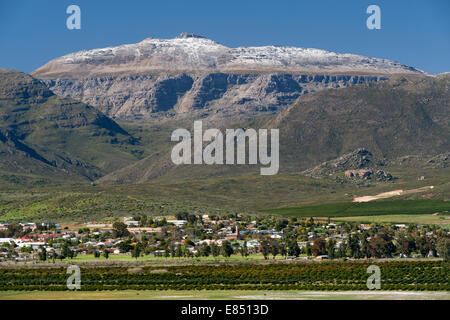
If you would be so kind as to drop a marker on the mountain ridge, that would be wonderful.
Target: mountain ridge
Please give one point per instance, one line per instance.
(192, 77)
(56, 137)
(192, 53)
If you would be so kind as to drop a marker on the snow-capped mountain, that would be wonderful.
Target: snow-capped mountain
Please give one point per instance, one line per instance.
(191, 76)
(191, 53)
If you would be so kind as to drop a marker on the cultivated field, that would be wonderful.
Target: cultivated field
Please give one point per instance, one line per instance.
(373, 208)
(417, 275)
(439, 219)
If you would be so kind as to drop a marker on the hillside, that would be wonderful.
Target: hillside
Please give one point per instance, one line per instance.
(60, 139)
(392, 119)
(400, 125)
(403, 116)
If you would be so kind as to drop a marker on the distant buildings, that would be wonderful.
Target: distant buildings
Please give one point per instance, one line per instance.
(178, 223)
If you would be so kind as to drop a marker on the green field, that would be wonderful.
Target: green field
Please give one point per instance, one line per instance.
(289, 194)
(222, 295)
(373, 208)
(440, 219)
(415, 275)
(107, 203)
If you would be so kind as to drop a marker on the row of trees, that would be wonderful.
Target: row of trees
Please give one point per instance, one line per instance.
(65, 252)
(355, 246)
(226, 250)
(360, 246)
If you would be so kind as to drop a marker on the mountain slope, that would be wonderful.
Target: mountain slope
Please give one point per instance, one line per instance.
(217, 97)
(43, 134)
(391, 119)
(194, 77)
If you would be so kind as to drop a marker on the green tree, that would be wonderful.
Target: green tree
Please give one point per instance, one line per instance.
(308, 250)
(14, 230)
(353, 248)
(365, 248)
(406, 245)
(106, 253)
(227, 249)
(178, 251)
(205, 250)
(293, 248)
(43, 254)
(341, 250)
(443, 248)
(274, 248)
(125, 246)
(120, 230)
(381, 245)
(215, 250)
(136, 252)
(283, 249)
(66, 251)
(318, 247)
(331, 248)
(423, 245)
(243, 249)
(265, 247)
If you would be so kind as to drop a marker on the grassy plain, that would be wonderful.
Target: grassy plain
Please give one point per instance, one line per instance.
(295, 194)
(373, 208)
(440, 219)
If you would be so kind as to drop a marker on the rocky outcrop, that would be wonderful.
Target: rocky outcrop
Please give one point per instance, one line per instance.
(369, 174)
(362, 173)
(355, 164)
(220, 96)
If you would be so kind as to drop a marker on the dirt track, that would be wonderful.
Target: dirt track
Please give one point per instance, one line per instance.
(390, 194)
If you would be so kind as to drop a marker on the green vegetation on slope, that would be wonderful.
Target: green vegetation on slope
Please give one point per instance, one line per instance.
(54, 138)
(400, 117)
(242, 194)
(379, 207)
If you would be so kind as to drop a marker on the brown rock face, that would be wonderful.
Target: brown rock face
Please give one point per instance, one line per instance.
(191, 76)
(221, 97)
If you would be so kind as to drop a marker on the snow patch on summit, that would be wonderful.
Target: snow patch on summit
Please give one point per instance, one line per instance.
(190, 53)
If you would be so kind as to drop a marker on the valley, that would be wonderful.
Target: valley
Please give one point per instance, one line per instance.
(123, 167)
(295, 151)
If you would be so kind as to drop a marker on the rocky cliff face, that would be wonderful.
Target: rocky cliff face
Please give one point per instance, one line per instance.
(218, 96)
(191, 76)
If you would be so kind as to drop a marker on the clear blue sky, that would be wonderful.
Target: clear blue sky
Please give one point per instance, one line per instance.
(414, 32)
